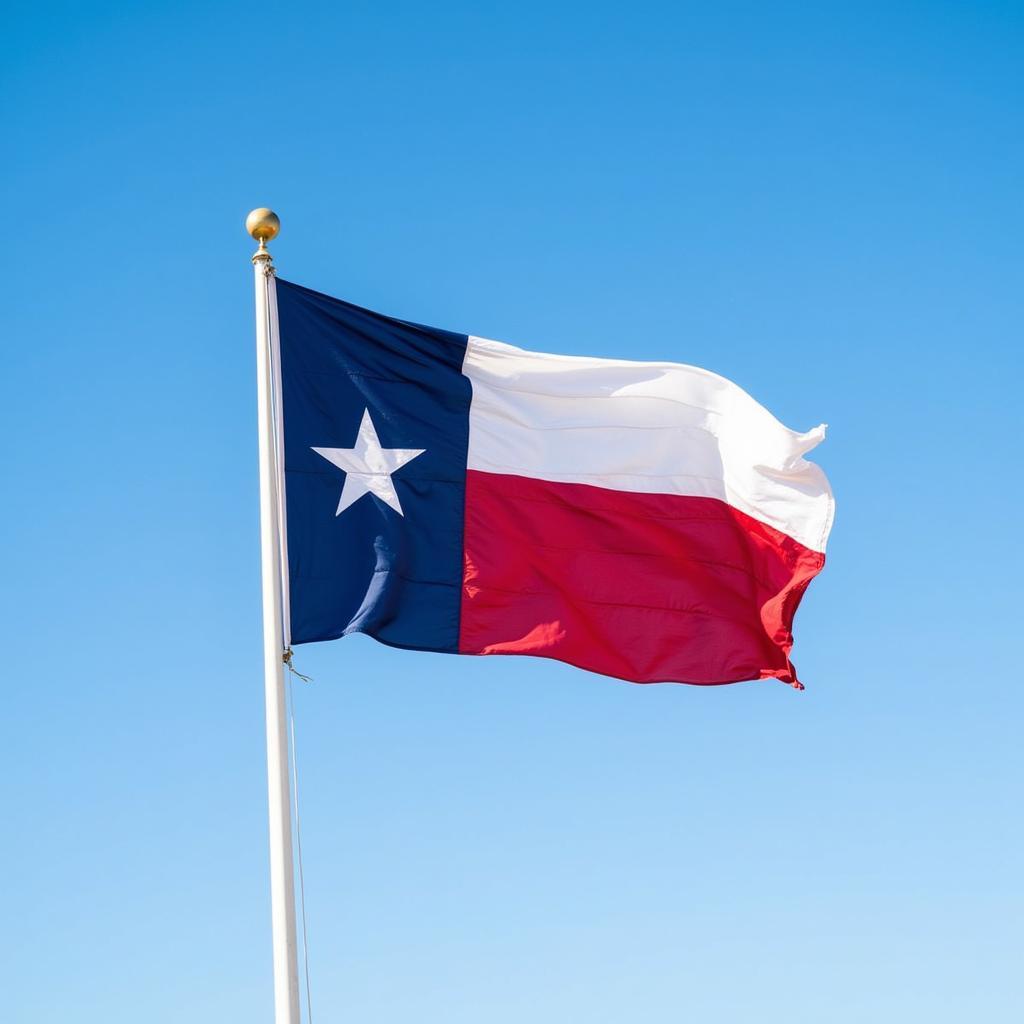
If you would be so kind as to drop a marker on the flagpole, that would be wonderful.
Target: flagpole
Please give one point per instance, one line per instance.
(264, 225)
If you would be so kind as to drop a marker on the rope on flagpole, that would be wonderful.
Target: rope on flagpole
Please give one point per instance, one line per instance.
(298, 829)
(277, 428)
(287, 659)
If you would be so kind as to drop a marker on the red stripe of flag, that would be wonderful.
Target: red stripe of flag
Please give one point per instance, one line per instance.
(645, 587)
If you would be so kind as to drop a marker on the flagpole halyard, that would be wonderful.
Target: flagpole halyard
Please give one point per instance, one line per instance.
(263, 225)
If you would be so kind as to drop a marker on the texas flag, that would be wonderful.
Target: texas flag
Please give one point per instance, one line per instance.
(649, 521)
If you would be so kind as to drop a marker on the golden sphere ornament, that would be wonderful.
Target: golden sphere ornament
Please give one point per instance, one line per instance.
(263, 225)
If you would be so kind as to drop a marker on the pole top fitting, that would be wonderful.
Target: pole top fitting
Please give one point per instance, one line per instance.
(263, 225)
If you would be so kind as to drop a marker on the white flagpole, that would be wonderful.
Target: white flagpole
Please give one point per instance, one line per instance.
(263, 225)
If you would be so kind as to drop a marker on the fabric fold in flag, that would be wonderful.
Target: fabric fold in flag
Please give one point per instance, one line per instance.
(649, 521)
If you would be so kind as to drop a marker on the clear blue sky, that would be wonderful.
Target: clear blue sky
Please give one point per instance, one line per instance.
(822, 202)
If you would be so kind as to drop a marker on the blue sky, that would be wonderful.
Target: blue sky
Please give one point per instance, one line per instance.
(822, 202)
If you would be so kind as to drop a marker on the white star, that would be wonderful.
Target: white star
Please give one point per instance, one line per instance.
(368, 467)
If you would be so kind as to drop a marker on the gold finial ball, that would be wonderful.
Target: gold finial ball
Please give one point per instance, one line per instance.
(263, 224)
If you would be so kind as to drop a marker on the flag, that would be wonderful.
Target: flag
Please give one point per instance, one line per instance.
(644, 520)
